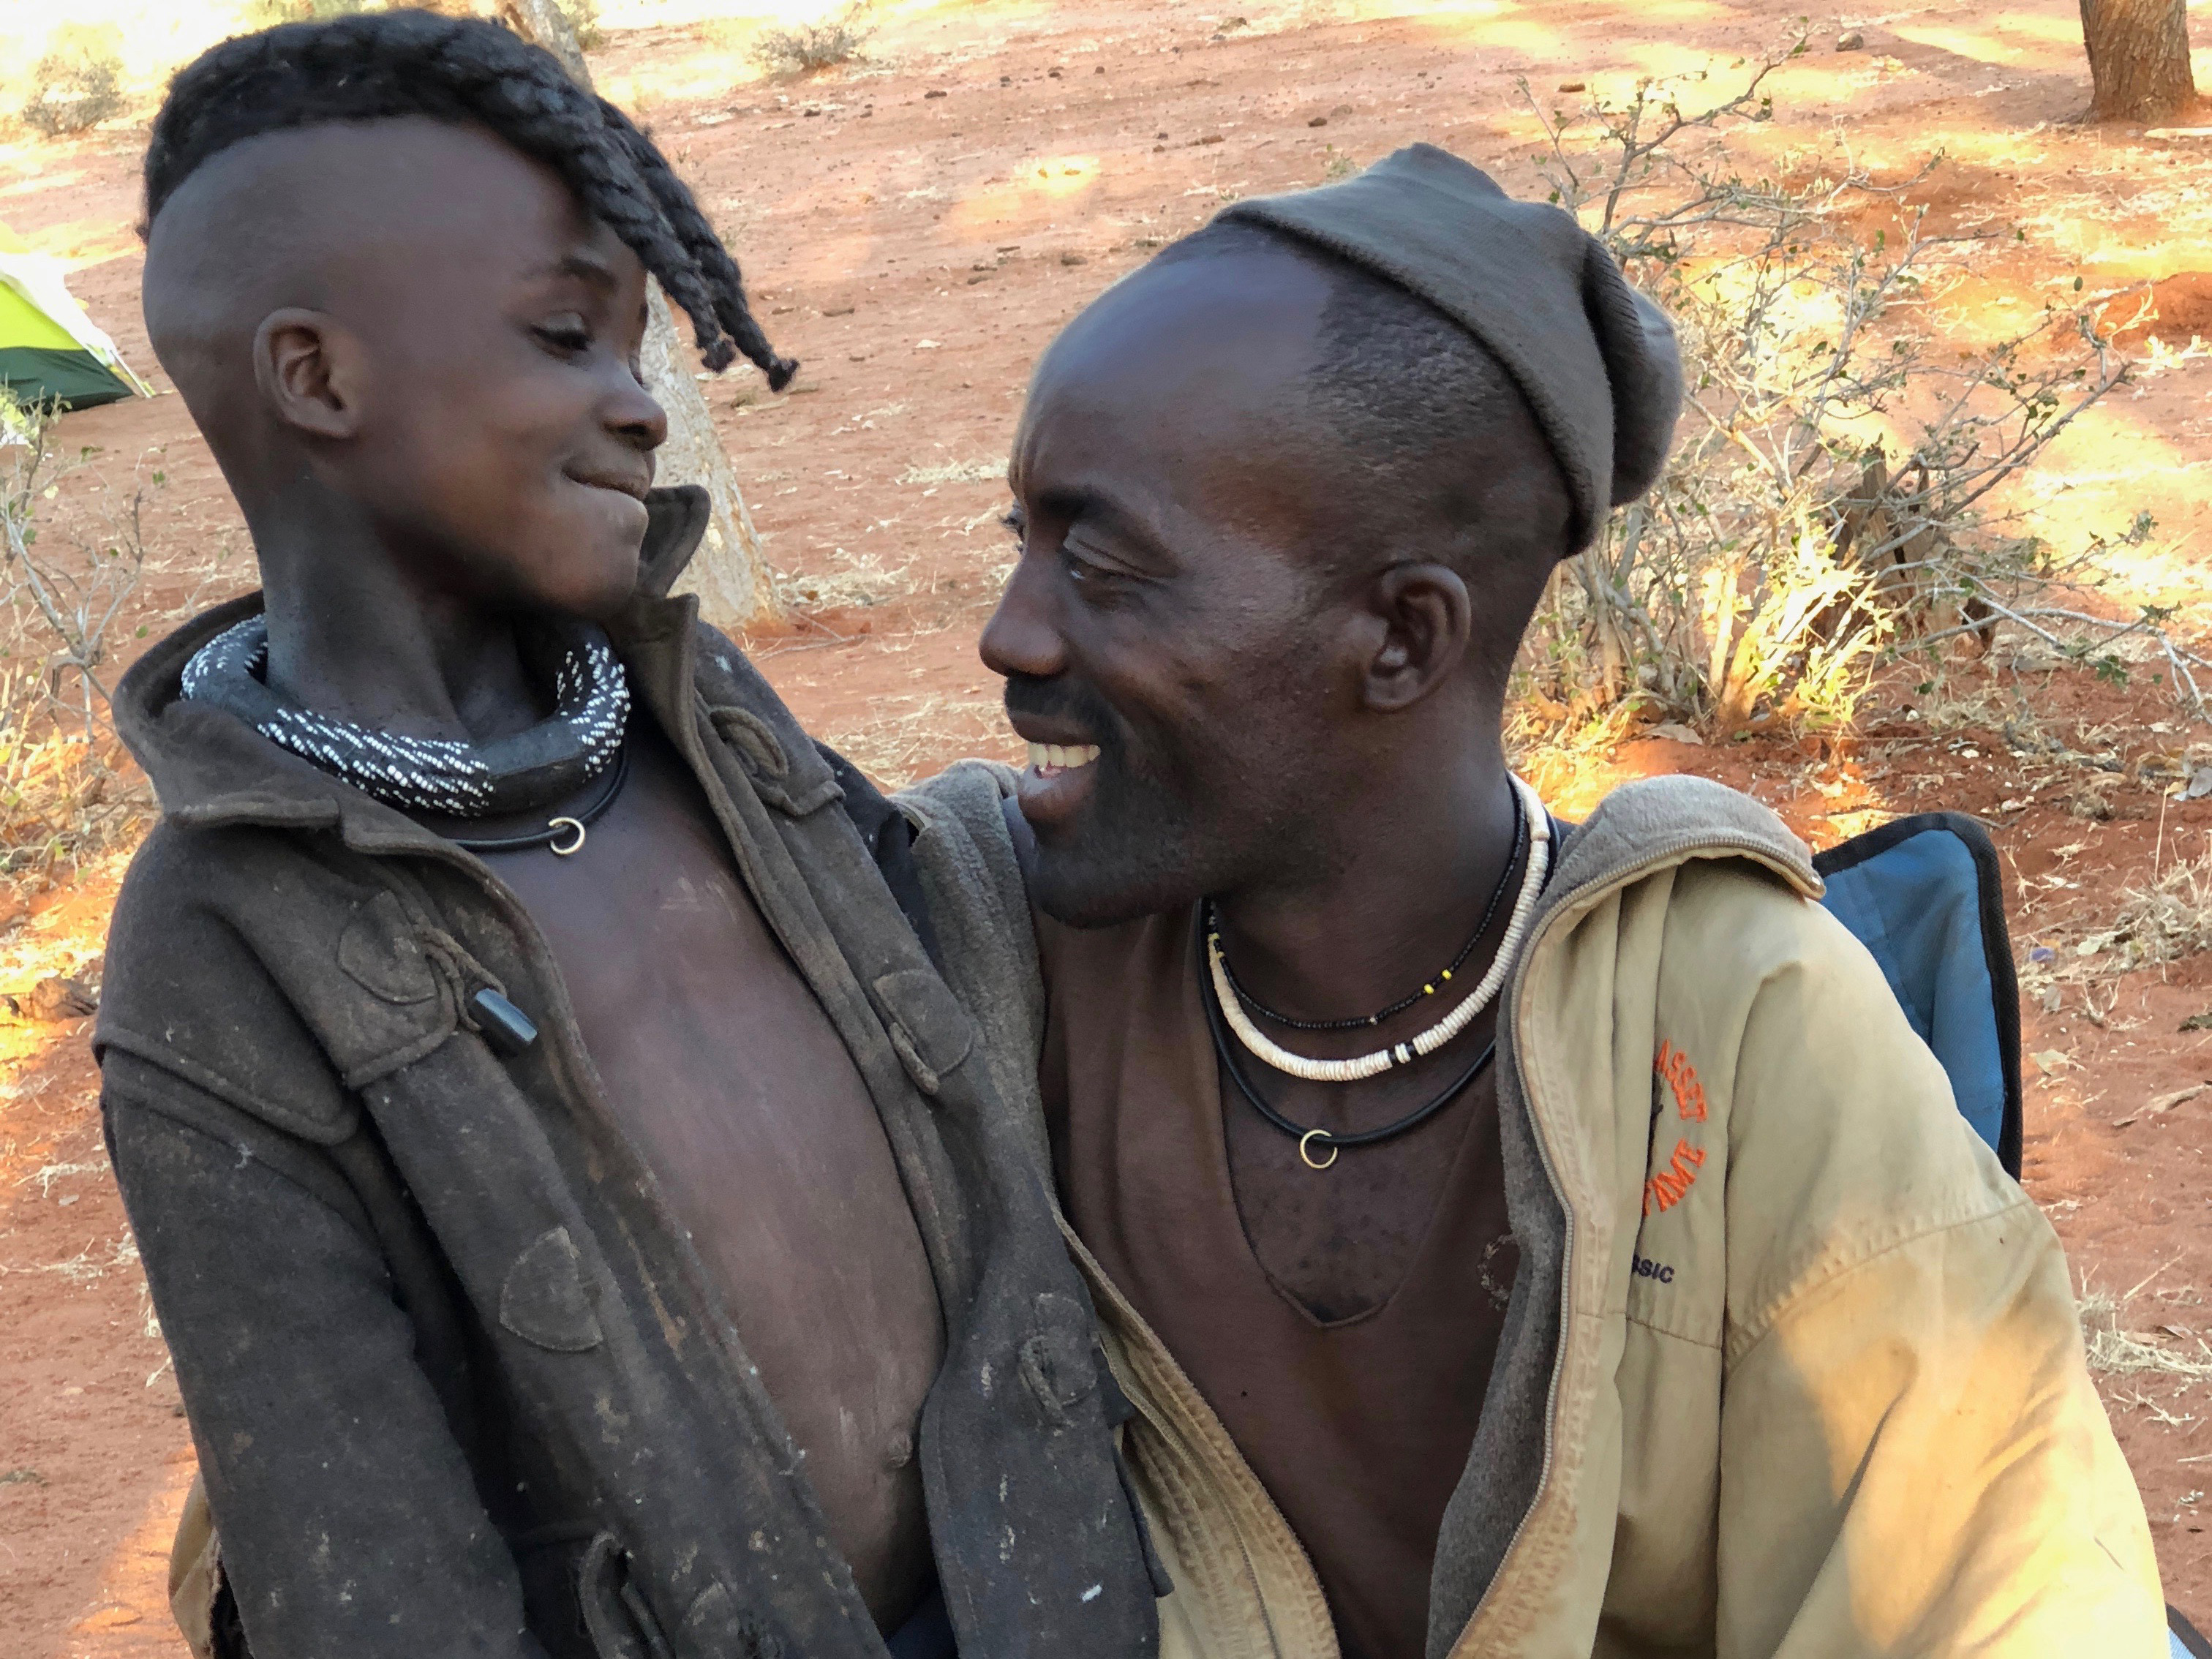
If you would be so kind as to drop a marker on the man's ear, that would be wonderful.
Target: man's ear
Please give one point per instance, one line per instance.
(308, 370)
(1427, 619)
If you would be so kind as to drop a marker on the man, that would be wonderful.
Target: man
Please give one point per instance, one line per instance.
(580, 1213)
(1515, 1240)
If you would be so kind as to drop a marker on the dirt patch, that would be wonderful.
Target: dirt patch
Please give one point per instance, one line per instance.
(2180, 311)
(915, 226)
(97, 1453)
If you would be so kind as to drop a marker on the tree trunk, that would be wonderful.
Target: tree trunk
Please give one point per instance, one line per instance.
(2138, 59)
(728, 574)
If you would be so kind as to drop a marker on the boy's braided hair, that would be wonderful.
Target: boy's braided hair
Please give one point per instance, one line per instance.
(380, 64)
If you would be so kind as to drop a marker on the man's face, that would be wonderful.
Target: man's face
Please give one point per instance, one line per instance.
(1168, 609)
(484, 335)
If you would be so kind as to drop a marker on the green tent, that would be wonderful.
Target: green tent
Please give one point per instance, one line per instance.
(50, 352)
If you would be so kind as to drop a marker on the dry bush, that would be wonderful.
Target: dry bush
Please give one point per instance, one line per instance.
(66, 789)
(810, 48)
(77, 84)
(1828, 503)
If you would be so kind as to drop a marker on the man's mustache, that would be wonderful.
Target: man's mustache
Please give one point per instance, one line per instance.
(1062, 699)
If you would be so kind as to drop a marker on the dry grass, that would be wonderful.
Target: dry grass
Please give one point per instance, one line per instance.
(1566, 753)
(64, 796)
(911, 737)
(2172, 918)
(855, 581)
(955, 472)
(2116, 1352)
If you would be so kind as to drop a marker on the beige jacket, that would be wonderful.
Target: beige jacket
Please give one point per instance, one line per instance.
(1791, 1367)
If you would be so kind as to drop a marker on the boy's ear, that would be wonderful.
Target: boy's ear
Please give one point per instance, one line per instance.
(306, 365)
(1427, 619)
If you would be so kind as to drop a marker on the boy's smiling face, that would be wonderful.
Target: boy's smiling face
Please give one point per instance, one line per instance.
(413, 326)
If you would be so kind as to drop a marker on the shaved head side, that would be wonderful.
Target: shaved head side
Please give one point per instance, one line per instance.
(1433, 451)
(382, 66)
(331, 219)
(255, 230)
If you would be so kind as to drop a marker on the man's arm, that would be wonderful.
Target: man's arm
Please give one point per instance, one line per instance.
(349, 1521)
(1913, 1458)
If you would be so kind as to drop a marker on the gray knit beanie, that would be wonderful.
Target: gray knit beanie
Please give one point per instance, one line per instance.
(1596, 361)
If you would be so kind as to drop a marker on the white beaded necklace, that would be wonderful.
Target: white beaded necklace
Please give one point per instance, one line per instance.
(1401, 1053)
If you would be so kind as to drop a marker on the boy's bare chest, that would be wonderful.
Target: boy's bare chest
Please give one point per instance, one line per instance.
(727, 1075)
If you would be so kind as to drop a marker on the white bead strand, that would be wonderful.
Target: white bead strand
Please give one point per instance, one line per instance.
(1361, 1067)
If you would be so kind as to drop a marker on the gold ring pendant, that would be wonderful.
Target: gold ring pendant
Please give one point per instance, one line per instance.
(1305, 1144)
(559, 851)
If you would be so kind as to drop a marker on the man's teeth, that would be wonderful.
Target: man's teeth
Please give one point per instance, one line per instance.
(1060, 757)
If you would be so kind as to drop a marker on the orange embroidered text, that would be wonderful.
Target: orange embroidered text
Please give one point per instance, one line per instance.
(1682, 1077)
(1664, 1190)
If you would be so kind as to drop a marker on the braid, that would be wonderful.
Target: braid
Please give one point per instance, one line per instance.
(373, 66)
(681, 211)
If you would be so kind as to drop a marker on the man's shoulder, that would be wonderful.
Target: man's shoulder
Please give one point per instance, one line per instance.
(967, 838)
(1651, 825)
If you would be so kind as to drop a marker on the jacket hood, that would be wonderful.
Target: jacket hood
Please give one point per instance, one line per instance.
(207, 766)
(1652, 823)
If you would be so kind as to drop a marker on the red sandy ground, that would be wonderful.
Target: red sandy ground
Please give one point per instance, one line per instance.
(917, 250)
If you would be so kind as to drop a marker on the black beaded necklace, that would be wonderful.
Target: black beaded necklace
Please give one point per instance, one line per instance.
(1212, 926)
(1335, 1142)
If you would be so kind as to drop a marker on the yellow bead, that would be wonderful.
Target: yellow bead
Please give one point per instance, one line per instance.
(1447, 973)
(1428, 990)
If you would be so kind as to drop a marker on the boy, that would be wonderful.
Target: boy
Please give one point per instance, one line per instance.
(584, 1221)
(1517, 1241)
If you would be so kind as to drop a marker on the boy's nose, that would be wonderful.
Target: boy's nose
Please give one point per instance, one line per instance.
(635, 417)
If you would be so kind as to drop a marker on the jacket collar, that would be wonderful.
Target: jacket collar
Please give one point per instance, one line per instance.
(209, 768)
(1646, 825)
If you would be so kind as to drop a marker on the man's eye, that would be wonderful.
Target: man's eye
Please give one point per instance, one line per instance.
(1082, 568)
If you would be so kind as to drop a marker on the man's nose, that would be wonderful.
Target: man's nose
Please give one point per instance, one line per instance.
(1022, 636)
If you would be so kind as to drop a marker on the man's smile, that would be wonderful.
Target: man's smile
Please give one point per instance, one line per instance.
(1049, 759)
(1061, 773)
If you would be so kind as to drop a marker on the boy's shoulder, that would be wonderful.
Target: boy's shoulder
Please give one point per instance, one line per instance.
(247, 966)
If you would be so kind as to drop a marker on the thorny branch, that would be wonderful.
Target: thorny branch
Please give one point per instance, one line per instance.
(1829, 503)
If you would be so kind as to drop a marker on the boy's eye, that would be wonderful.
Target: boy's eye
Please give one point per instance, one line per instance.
(568, 333)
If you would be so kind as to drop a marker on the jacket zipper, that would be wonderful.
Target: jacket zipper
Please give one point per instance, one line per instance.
(1673, 852)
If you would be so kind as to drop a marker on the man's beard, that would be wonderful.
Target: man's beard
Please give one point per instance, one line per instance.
(1162, 829)
(1128, 853)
